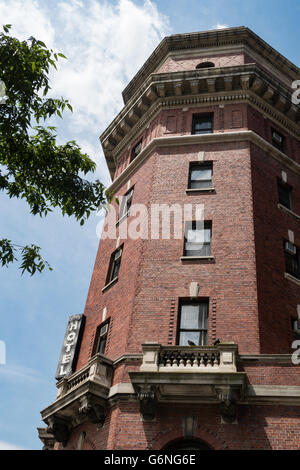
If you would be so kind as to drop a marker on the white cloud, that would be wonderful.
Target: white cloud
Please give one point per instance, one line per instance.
(220, 26)
(105, 45)
(8, 446)
(28, 18)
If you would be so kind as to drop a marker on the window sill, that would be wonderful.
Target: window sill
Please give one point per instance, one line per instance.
(198, 258)
(292, 278)
(288, 211)
(200, 190)
(111, 283)
(122, 218)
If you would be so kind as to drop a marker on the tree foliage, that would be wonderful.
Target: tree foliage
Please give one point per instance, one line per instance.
(32, 165)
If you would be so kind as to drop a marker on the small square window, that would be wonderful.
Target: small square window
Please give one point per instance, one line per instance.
(114, 265)
(101, 338)
(136, 150)
(200, 176)
(197, 240)
(193, 322)
(202, 124)
(278, 140)
(125, 204)
(291, 253)
(285, 195)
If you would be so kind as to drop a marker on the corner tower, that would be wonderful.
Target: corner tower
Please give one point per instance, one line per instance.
(188, 338)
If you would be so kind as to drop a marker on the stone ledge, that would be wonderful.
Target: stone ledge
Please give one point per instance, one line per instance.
(224, 137)
(291, 278)
(198, 258)
(288, 211)
(111, 283)
(200, 190)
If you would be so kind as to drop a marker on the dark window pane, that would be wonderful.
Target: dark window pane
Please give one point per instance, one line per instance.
(278, 140)
(292, 265)
(136, 150)
(125, 204)
(102, 344)
(101, 337)
(114, 266)
(284, 194)
(202, 124)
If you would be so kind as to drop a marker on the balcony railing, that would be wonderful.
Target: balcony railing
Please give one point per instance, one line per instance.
(182, 359)
(81, 396)
(220, 358)
(98, 370)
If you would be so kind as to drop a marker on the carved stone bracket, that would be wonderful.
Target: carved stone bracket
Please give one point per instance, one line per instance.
(94, 410)
(46, 438)
(228, 407)
(147, 396)
(60, 428)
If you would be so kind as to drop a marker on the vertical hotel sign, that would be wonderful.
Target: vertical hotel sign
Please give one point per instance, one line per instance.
(70, 349)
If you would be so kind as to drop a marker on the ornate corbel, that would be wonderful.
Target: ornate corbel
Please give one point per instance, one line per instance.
(93, 410)
(60, 428)
(47, 439)
(147, 396)
(228, 407)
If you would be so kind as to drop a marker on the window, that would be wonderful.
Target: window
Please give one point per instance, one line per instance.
(292, 265)
(278, 140)
(125, 204)
(285, 195)
(202, 124)
(205, 65)
(295, 328)
(114, 265)
(197, 240)
(136, 150)
(193, 323)
(101, 338)
(200, 176)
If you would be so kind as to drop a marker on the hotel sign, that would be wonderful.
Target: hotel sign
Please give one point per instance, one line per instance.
(70, 349)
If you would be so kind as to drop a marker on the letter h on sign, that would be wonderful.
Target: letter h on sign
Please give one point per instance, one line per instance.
(69, 352)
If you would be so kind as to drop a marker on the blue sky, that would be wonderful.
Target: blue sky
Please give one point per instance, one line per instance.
(100, 41)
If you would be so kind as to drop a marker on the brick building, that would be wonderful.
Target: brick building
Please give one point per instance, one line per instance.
(189, 342)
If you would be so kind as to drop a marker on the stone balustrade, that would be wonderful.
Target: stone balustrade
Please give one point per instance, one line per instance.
(219, 358)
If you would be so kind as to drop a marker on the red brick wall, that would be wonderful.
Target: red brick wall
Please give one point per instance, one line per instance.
(220, 60)
(259, 427)
(250, 301)
(229, 118)
(277, 296)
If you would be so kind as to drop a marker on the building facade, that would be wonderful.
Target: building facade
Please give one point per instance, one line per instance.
(190, 338)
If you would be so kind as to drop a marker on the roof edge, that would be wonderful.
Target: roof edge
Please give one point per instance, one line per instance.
(210, 38)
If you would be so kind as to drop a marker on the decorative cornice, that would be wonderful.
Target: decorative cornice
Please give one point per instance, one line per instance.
(225, 137)
(203, 40)
(246, 83)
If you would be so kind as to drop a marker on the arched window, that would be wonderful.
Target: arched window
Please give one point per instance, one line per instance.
(205, 65)
(187, 444)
